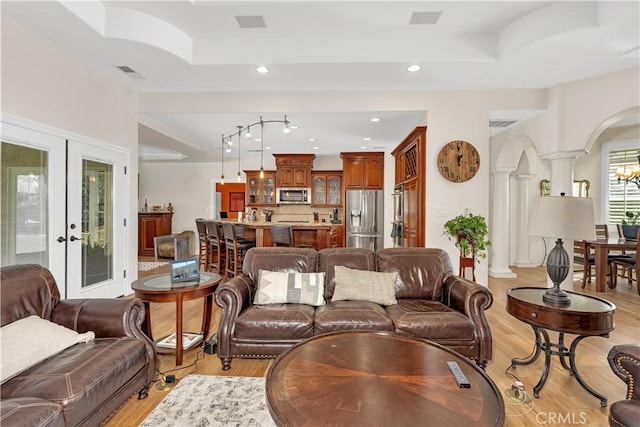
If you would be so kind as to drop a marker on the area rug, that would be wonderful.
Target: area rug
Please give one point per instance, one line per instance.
(149, 265)
(210, 400)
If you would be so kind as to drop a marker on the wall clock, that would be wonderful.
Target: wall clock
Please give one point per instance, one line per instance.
(458, 161)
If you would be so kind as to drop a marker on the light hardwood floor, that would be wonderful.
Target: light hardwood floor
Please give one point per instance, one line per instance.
(562, 401)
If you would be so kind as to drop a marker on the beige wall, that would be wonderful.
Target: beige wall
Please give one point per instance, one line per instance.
(46, 84)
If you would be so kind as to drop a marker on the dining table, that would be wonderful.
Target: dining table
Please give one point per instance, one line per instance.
(602, 248)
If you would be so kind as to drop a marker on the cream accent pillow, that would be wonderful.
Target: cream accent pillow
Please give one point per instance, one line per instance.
(28, 341)
(363, 285)
(275, 287)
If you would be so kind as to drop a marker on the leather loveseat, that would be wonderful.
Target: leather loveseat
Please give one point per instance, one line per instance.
(432, 303)
(84, 384)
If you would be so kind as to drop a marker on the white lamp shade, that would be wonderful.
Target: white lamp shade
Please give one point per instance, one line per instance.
(563, 217)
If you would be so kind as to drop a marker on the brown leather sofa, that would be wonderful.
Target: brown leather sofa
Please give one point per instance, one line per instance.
(433, 303)
(86, 383)
(624, 360)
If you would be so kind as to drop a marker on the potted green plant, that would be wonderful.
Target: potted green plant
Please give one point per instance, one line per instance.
(630, 224)
(470, 234)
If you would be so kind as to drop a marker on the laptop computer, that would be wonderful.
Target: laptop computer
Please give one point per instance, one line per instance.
(184, 270)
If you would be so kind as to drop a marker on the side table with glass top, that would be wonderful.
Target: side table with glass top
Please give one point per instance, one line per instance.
(159, 288)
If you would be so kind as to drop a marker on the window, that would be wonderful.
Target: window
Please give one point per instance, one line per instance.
(622, 197)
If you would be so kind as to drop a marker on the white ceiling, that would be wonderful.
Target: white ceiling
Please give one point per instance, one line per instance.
(198, 46)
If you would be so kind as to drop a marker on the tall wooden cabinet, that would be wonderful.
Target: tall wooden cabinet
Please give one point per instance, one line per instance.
(410, 177)
(294, 170)
(363, 170)
(150, 225)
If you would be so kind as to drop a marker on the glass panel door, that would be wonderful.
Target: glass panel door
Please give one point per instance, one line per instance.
(97, 222)
(32, 211)
(24, 207)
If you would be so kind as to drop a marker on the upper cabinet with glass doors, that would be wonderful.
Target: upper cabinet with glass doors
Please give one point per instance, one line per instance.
(327, 188)
(260, 191)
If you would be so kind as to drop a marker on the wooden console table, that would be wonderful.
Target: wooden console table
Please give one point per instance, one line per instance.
(150, 225)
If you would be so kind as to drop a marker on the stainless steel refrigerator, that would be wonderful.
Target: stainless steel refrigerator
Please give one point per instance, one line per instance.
(364, 211)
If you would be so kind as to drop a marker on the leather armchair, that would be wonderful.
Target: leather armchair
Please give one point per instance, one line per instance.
(82, 385)
(176, 246)
(624, 360)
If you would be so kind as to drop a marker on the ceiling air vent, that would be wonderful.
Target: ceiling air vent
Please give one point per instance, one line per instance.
(501, 123)
(129, 72)
(256, 21)
(424, 18)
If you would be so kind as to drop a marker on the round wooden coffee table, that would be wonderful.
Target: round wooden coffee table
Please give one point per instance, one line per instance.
(377, 378)
(159, 288)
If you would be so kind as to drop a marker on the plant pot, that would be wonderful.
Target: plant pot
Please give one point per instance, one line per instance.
(630, 232)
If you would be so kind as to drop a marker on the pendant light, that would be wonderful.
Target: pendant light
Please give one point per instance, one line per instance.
(261, 148)
(239, 132)
(222, 165)
(229, 142)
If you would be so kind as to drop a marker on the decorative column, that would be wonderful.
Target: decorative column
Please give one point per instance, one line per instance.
(500, 226)
(562, 182)
(522, 223)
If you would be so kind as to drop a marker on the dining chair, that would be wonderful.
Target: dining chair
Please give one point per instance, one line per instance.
(629, 262)
(216, 247)
(622, 272)
(235, 249)
(282, 235)
(583, 257)
(203, 246)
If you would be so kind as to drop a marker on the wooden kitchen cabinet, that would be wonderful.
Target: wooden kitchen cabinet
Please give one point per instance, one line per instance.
(363, 170)
(294, 170)
(336, 237)
(150, 225)
(327, 188)
(260, 191)
(410, 172)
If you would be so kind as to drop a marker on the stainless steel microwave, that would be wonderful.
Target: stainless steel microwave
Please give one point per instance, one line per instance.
(293, 196)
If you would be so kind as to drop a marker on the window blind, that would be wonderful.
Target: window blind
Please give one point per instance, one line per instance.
(622, 198)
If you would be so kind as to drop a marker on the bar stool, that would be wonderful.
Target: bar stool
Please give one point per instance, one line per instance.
(203, 247)
(282, 235)
(235, 249)
(215, 261)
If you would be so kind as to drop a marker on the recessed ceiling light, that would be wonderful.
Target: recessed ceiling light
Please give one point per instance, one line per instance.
(257, 139)
(312, 139)
(293, 127)
(363, 147)
(262, 69)
(366, 139)
(316, 148)
(413, 68)
(374, 119)
(267, 148)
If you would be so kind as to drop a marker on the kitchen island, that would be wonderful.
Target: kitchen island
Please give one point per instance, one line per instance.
(317, 234)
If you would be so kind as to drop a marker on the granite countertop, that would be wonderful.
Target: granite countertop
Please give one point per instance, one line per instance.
(292, 224)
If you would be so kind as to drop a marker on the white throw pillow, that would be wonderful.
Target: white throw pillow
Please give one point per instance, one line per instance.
(364, 285)
(28, 341)
(276, 287)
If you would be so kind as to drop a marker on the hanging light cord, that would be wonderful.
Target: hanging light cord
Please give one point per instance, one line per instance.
(226, 141)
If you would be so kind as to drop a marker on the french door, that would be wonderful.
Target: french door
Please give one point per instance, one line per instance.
(63, 208)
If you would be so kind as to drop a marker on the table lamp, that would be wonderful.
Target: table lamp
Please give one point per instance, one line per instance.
(562, 218)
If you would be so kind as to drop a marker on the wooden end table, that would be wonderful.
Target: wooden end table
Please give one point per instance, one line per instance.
(159, 288)
(377, 378)
(585, 316)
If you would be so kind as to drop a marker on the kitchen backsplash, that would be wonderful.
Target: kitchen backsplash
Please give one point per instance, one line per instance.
(298, 213)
